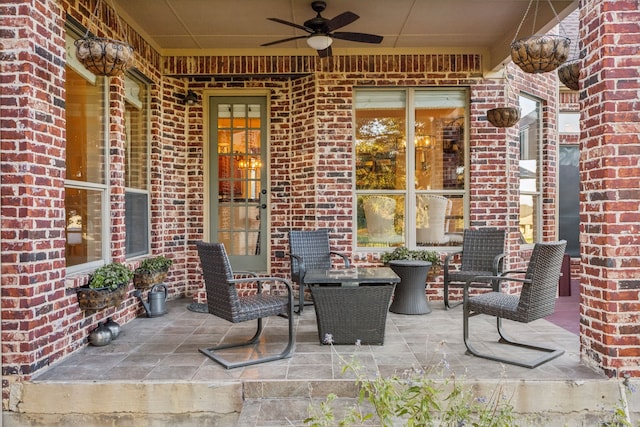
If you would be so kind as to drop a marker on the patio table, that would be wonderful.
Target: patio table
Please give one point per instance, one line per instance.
(352, 304)
(410, 297)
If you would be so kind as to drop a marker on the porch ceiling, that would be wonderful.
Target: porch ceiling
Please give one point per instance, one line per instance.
(187, 27)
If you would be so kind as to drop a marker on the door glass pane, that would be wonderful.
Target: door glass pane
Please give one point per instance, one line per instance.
(239, 174)
(239, 116)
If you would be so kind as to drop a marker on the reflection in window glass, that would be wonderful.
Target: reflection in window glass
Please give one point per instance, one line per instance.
(85, 180)
(410, 157)
(569, 122)
(85, 129)
(84, 225)
(136, 168)
(529, 169)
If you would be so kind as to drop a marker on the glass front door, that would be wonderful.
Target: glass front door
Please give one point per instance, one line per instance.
(238, 187)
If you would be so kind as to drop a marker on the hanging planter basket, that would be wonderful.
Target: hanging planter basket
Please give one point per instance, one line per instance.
(569, 74)
(503, 117)
(100, 298)
(148, 280)
(104, 56)
(541, 53)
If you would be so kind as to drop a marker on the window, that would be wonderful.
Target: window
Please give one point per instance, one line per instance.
(568, 122)
(136, 167)
(86, 164)
(410, 167)
(530, 170)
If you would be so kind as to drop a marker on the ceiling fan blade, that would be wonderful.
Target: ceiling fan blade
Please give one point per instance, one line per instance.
(341, 20)
(284, 40)
(358, 37)
(291, 24)
(325, 52)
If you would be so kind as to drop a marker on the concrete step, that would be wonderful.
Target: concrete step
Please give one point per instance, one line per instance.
(268, 403)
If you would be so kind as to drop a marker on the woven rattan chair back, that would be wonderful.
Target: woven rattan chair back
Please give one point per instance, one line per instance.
(537, 299)
(222, 298)
(482, 255)
(480, 248)
(313, 247)
(223, 301)
(309, 250)
(538, 295)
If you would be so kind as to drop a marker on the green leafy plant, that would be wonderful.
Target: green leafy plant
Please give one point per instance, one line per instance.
(153, 265)
(110, 276)
(414, 398)
(405, 253)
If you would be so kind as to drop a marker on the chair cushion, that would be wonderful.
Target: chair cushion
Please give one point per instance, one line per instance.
(260, 305)
(496, 304)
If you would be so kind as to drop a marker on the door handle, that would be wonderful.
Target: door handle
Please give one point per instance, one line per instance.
(262, 206)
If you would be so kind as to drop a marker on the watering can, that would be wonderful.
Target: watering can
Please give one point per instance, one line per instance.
(157, 301)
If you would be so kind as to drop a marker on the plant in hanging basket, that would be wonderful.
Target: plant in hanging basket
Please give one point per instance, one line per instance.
(540, 53)
(107, 287)
(151, 271)
(503, 117)
(104, 57)
(569, 74)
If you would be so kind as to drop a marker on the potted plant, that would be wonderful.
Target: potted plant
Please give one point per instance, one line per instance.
(107, 287)
(151, 271)
(403, 252)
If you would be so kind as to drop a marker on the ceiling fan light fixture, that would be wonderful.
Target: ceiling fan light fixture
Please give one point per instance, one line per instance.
(319, 41)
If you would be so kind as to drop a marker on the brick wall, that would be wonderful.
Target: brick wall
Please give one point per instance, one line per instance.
(312, 139)
(41, 320)
(35, 323)
(310, 153)
(610, 198)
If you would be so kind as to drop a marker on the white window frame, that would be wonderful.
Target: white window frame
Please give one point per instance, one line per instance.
(132, 99)
(525, 144)
(71, 35)
(410, 192)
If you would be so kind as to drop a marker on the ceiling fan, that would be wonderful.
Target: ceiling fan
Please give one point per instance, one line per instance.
(321, 30)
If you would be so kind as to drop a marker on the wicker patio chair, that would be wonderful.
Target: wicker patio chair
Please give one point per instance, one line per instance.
(537, 299)
(309, 249)
(481, 255)
(223, 301)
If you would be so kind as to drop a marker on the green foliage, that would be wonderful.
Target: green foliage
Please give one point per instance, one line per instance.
(110, 276)
(404, 253)
(155, 264)
(414, 399)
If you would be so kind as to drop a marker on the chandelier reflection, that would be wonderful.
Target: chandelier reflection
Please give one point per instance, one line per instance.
(422, 145)
(253, 163)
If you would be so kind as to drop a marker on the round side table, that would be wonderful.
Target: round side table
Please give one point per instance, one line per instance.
(410, 297)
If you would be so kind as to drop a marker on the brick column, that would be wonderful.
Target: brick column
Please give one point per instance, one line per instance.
(36, 328)
(610, 194)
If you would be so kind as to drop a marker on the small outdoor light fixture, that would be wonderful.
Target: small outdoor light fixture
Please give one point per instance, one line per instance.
(319, 41)
(190, 98)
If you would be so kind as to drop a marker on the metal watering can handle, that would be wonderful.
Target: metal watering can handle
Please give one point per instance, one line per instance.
(166, 292)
